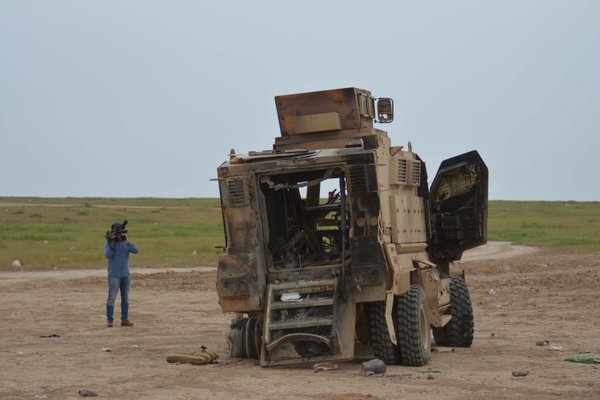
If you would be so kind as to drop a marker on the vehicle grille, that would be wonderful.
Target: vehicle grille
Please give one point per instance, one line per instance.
(237, 192)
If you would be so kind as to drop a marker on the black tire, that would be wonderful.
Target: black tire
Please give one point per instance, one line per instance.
(383, 347)
(244, 338)
(413, 327)
(236, 338)
(459, 331)
(252, 337)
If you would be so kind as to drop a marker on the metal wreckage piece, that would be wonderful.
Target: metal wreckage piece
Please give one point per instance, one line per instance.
(334, 238)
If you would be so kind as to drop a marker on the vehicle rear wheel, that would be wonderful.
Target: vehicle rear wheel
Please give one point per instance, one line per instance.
(383, 347)
(413, 327)
(459, 331)
(244, 338)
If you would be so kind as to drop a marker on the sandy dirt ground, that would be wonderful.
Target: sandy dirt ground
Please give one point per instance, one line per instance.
(528, 297)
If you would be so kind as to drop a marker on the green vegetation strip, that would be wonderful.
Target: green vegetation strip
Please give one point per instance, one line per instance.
(574, 225)
(63, 233)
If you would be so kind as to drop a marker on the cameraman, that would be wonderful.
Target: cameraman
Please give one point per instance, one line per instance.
(117, 251)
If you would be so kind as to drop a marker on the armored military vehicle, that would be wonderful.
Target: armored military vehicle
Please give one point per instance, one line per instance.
(333, 238)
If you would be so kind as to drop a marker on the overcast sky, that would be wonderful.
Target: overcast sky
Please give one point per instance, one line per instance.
(145, 98)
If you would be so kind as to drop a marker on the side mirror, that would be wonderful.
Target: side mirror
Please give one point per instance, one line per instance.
(385, 110)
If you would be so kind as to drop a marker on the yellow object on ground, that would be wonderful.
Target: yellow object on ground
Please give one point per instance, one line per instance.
(193, 358)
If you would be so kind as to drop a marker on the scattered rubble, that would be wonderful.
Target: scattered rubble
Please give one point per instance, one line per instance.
(319, 367)
(373, 367)
(442, 349)
(87, 393)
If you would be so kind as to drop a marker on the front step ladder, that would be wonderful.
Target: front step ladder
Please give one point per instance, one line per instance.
(300, 312)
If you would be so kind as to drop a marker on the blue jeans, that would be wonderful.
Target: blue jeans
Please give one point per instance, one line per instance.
(114, 285)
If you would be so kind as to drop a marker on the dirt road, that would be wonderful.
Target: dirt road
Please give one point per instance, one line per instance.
(517, 301)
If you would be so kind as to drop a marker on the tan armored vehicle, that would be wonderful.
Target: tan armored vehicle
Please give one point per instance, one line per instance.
(333, 238)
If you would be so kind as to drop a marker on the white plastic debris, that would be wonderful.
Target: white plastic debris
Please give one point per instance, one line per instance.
(291, 297)
(16, 264)
(441, 349)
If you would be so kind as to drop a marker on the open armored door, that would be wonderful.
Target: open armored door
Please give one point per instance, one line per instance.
(459, 206)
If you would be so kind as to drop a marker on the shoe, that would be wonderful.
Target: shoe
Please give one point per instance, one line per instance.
(109, 323)
(125, 322)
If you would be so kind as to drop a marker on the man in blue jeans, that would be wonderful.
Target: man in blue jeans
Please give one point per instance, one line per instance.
(117, 251)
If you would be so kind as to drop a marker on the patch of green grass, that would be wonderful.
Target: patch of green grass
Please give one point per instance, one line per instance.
(563, 224)
(167, 231)
(184, 232)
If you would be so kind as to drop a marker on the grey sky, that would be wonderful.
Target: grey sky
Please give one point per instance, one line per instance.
(145, 98)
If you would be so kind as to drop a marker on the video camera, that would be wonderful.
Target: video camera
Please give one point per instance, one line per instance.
(117, 232)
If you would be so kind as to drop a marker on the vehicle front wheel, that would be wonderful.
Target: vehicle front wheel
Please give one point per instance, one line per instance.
(413, 327)
(458, 332)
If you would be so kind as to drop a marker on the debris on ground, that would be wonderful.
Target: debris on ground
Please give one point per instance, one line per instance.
(319, 367)
(518, 373)
(199, 358)
(107, 349)
(585, 358)
(52, 335)
(374, 366)
(16, 264)
(431, 371)
(87, 393)
(542, 342)
(442, 349)
(555, 348)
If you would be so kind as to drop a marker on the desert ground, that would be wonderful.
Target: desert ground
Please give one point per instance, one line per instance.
(520, 297)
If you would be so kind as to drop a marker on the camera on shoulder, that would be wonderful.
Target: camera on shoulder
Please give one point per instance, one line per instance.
(118, 232)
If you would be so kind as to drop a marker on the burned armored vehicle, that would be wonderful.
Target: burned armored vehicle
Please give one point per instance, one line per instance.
(333, 238)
